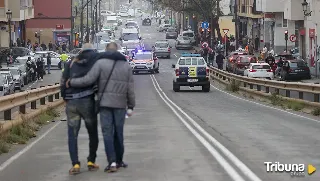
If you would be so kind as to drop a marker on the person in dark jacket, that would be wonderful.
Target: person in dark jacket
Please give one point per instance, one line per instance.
(116, 90)
(279, 66)
(219, 60)
(49, 63)
(39, 69)
(80, 103)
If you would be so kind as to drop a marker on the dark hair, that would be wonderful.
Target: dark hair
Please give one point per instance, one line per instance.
(112, 43)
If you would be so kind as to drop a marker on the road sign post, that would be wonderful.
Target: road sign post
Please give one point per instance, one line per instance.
(205, 26)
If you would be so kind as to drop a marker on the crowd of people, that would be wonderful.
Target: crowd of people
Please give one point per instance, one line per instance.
(95, 83)
(37, 46)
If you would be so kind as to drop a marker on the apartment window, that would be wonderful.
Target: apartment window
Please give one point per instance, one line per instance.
(284, 22)
(2, 3)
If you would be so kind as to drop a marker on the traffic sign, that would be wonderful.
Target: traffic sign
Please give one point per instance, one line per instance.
(205, 25)
(225, 31)
(293, 38)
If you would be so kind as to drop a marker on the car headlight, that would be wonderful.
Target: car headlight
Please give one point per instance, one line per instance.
(149, 63)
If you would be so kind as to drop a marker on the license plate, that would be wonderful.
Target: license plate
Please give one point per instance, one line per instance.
(140, 67)
(192, 80)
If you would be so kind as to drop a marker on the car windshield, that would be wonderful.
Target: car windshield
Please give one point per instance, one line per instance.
(298, 64)
(105, 38)
(130, 36)
(14, 71)
(188, 34)
(248, 59)
(161, 45)
(131, 46)
(142, 57)
(171, 30)
(4, 73)
(255, 67)
(131, 24)
(111, 21)
(183, 38)
(2, 80)
(75, 51)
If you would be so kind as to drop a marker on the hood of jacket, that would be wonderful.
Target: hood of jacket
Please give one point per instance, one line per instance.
(85, 56)
(113, 55)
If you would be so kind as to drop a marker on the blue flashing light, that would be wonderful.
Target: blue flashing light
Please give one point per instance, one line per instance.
(190, 55)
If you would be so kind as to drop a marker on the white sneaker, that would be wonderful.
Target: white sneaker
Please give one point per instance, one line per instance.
(41, 80)
(113, 164)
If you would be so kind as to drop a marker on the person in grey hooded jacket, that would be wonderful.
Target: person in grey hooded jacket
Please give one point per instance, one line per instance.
(117, 97)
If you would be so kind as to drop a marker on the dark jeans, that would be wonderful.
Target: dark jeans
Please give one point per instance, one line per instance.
(220, 66)
(40, 73)
(112, 123)
(75, 110)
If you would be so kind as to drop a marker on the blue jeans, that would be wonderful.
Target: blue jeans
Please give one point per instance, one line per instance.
(112, 123)
(75, 110)
(49, 67)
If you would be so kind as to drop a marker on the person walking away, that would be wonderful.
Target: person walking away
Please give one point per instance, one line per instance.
(80, 104)
(115, 95)
(219, 60)
(33, 71)
(256, 43)
(19, 42)
(39, 69)
(211, 56)
(9, 58)
(279, 66)
(64, 47)
(49, 63)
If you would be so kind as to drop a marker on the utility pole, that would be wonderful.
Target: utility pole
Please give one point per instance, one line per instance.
(99, 15)
(92, 21)
(87, 27)
(71, 44)
(96, 16)
(81, 23)
(236, 23)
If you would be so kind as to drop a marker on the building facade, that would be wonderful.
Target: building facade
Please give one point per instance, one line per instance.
(52, 20)
(22, 11)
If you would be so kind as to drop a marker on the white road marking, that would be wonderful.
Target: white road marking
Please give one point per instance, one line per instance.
(190, 88)
(28, 147)
(227, 167)
(263, 105)
(175, 55)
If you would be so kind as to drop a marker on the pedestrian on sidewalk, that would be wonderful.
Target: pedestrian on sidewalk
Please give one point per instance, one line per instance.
(115, 96)
(80, 103)
(49, 63)
(219, 60)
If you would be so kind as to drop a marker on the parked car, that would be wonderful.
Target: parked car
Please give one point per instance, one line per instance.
(16, 52)
(232, 58)
(242, 63)
(295, 69)
(6, 85)
(259, 70)
(16, 75)
(183, 42)
(146, 22)
(171, 33)
(21, 63)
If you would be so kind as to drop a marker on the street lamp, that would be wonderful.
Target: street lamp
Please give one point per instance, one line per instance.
(305, 6)
(9, 17)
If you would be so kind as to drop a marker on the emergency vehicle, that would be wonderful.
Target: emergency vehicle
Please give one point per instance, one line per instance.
(191, 70)
(144, 61)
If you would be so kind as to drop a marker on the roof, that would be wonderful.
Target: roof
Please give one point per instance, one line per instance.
(4, 72)
(187, 54)
(4, 68)
(129, 30)
(39, 52)
(144, 52)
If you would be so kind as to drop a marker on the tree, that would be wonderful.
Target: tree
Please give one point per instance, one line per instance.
(208, 10)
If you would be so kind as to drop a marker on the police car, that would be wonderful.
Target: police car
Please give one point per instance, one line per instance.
(144, 61)
(191, 70)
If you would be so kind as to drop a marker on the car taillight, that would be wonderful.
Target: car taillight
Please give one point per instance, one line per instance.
(207, 72)
(239, 61)
(251, 70)
(177, 72)
(270, 70)
(290, 70)
(169, 49)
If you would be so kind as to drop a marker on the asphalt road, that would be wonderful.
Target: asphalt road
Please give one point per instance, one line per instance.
(184, 136)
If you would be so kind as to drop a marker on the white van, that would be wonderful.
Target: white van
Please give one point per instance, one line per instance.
(112, 22)
(130, 36)
(190, 34)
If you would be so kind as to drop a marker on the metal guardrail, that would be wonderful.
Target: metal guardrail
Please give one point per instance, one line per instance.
(21, 99)
(257, 84)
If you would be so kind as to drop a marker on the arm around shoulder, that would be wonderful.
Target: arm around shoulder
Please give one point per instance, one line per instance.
(90, 78)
